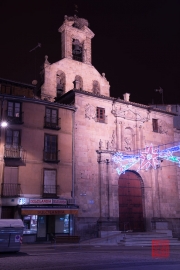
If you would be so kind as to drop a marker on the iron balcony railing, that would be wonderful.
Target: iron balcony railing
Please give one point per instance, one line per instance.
(15, 152)
(51, 156)
(50, 191)
(52, 124)
(10, 190)
(15, 119)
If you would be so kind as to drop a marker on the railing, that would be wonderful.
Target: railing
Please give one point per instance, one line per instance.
(10, 190)
(51, 156)
(52, 125)
(15, 152)
(50, 191)
(18, 119)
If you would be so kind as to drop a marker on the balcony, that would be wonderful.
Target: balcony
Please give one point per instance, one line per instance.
(14, 155)
(15, 119)
(52, 157)
(50, 191)
(10, 190)
(52, 124)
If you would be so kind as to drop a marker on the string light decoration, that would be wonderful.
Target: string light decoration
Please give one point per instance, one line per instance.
(149, 158)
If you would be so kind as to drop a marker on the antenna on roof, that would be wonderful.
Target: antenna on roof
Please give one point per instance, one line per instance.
(38, 46)
(35, 56)
(160, 90)
(76, 9)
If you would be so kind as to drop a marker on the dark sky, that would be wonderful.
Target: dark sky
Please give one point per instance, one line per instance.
(136, 43)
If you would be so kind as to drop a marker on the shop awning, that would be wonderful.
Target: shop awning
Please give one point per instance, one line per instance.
(48, 211)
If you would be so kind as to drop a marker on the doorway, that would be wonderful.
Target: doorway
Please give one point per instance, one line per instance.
(130, 202)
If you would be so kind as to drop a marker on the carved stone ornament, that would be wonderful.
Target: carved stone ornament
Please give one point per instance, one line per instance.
(113, 140)
(90, 111)
(129, 115)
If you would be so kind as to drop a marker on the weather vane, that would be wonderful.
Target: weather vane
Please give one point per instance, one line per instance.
(76, 9)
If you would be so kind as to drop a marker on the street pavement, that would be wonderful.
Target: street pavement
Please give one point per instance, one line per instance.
(90, 257)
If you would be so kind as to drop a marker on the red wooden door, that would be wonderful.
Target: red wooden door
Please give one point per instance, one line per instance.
(130, 202)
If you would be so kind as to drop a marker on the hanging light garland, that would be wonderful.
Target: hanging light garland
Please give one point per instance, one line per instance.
(149, 158)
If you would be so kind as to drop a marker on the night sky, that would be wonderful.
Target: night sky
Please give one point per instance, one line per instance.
(136, 43)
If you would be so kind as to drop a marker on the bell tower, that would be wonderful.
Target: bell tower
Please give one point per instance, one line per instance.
(76, 39)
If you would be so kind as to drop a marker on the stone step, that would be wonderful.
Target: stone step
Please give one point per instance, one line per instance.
(145, 243)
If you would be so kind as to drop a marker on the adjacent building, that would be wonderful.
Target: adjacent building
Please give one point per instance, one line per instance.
(36, 161)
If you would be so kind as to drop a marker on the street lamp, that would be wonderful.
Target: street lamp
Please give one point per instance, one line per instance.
(4, 124)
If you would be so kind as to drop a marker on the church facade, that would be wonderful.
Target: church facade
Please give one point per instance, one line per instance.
(126, 155)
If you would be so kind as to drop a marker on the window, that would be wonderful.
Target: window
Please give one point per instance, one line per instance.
(96, 88)
(50, 187)
(12, 138)
(14, 109)
(155, 125)
(10, 186)
(14, 112)
(100, 114)
(51, 118)
(50, 148)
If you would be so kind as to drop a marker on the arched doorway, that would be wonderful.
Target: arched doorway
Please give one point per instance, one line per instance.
(130, 202)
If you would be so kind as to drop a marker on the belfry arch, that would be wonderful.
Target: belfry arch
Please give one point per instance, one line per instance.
(131, 202)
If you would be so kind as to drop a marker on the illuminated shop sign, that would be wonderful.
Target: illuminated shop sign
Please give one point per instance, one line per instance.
(47, 201)
(49, 211)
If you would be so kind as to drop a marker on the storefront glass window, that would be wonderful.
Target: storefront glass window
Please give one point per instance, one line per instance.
(30, 224)
(62, 224)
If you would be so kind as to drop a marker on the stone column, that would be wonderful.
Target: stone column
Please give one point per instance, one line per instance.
(141, 144)
(87, 51)
(137, 137)
(156, 193)
(66, 44)
(122, 135)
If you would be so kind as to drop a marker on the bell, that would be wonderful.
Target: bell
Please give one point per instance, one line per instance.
(77, 49)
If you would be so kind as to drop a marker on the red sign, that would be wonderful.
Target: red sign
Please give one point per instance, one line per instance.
(160, 248)
(40, 201)
(47, 201)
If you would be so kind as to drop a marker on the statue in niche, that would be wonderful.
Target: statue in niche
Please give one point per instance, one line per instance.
(128, 139)
(96, 88)
(113, 140)
(107, 145)
(100, 144)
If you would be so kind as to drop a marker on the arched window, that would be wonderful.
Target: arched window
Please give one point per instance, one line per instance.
(78, 82)
(77, 50)
(96, 88)
(60, 83)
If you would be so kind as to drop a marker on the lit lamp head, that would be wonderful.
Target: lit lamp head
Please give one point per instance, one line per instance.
(4, 124)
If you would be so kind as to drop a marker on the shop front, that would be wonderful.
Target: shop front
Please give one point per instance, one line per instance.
(45, 218)
(42, 218)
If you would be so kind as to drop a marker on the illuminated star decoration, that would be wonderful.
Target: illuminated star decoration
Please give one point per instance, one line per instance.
(148, 158)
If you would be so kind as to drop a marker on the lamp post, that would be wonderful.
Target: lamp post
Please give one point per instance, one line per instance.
(4, 124)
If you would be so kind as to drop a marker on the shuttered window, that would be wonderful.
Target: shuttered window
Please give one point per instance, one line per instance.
(11, 175)
(100, 114)
(155, 125)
